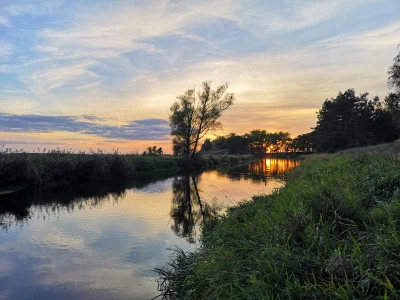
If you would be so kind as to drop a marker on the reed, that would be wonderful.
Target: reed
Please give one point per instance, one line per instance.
(49, 168)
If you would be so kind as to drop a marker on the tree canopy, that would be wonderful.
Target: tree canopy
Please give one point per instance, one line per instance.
(153, 151)
(193, 115)
(350, 121)
(256, 142)
(394, 74)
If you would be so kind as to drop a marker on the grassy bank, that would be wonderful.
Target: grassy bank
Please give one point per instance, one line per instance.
(56, 168)
(295, 155)
(333, 232)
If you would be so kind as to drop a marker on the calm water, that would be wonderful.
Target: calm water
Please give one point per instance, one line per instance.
(102, 242)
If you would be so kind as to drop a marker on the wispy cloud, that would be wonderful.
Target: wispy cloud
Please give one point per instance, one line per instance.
(34, 7)
(59, 75)
(6, 49)
(3, 21)
(296, 15)
(6, 143)
(14, 91)
(88, 85)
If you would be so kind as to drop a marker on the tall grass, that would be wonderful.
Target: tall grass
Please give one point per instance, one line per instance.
(63, 167)
(333, 232)
(58, 167)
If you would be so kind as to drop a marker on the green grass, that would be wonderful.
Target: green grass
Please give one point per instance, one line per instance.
(60, 167)
(333, 232)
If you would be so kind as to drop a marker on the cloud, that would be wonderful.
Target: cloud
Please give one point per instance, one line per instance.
(19, 142)
(89, 85)
(3, 21)
(32, 7)
(93, 118)
(303, 14)
(6, 49)
(147, 129)
(98, 44)
(386, 36)
(57, 75)
(13, 91)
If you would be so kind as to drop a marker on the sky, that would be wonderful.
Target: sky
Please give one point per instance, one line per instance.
(80, 74)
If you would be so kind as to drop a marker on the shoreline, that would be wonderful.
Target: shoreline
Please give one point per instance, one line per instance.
(58, 169)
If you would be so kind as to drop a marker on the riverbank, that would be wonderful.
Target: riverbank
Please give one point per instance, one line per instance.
(295, 155)
(225, 152)
(59, 168)
(333, 232)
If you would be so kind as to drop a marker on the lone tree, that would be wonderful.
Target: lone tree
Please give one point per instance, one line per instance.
(193, 115)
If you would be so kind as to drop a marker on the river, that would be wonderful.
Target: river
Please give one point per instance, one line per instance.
(102, 242)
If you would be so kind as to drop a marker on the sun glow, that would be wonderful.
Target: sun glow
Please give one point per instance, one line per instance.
(273, 166)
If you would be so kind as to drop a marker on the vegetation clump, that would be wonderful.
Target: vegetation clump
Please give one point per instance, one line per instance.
(257, 142)
(153, 151)
(333, 232)
(50, 168)
(60, 167)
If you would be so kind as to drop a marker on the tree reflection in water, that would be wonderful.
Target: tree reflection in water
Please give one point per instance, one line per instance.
(18, 208)
(188, 210)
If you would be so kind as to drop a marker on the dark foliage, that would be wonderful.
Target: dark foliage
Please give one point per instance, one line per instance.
(352, 121)
(255, 142)
(394, 74)
(194, 115)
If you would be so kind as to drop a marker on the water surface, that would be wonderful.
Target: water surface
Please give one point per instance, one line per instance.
(103, 241)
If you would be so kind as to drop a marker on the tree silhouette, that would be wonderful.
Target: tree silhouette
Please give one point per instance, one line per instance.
(350, 121)
(394, 74)
(193, 116)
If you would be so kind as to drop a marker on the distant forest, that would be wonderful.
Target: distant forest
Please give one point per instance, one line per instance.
(347, 121)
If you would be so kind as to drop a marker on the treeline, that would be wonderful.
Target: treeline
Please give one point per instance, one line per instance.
(153, 151)
(347, 121)
(258, 142)
(352, 121)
